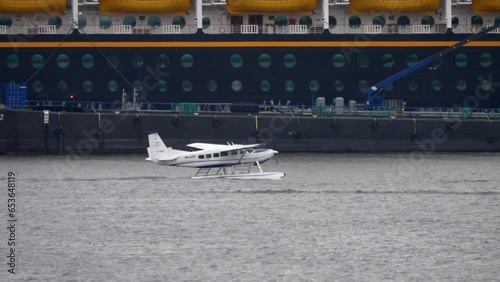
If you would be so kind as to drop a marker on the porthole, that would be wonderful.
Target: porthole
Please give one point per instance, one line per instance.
(403, 21)
(113, 61)
(388, 61)
(154, 21)
(12, 61)
(236, 85)
(412, 60)
(265, 85)
(437, 85)
(289, 85)
(37, 86)
(87, 86)
(412, 85)
(187, 61)
(438, 63)
(178, 20)
(363, 84)
(363, 61)
(264, 60)
(306, 20)
(55, 20)
(461, 85)
(205, 23)
(187, 86)
(137, 61)
(354, 22)
(497, 20)
(332, 22)
(280, 21)
(162, 86)
(461, 60)
(486, 85)
(212, 85)
(62, 61)
(87, 61)
(476, 20)
(289, 61)
(112, 86)
(6, 20)
(338, 85)
(338, 60)
(379, 20)
(427, 20)
(485, 60)
(62, 86)
(314, 86)
(454, 22)
(37, 61)
(162, 61)
(236, 60)
(105, 22)
(82, 22)
(130, 20)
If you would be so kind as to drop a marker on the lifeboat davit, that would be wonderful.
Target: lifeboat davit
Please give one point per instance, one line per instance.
(486, 6)
(274, 7)
(49, 7)
(141, 6)
(394, 6)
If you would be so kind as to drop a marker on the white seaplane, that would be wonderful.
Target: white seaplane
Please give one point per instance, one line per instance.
(232, 161)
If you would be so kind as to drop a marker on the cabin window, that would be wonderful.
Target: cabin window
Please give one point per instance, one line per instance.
(37, 86)
(162, 61)
(280, 21)
(212, 85)
(205, 22)
(201, 157)
(388, 61)
(105, 22)
(6, 20)
(62, 86)
(476, 21)
(178, 20)
(82, 22)
(12, 61)
(338, 60)
(264, 60)
(428, 20)
(461, 85)
(236, 60)
(485, 60)
(379, 20)
(37, 60)
(314, 85)
(332, 22)
(289, 85)
(112, 86)
(234, 152)
(87, 61)
(55, 20)
(338, 85)
(224, 154)
(289, 61)
(412, 59)
(404, 21)
(354, 22)
(113, 61)
(461, 60)
(62, 61)
(187, 86)
(208, 156)
(87, 86)
(265, 85)
(129, 20)
(162, 86)
(187, 60)
(363, 84)
(154, 21)
(455, 21)
(363, 61)
(236, 85)
(306, 20)
(216, 155)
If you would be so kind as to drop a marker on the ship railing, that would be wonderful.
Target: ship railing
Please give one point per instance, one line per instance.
(298, 29)
(46, 29)
(372, 29)
(250, 29)
(122, 29)
(171, 29)
(338, 2)
(213, 2)
(461, 2)
(3, 29)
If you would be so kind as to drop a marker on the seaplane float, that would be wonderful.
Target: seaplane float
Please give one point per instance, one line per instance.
(232, 161)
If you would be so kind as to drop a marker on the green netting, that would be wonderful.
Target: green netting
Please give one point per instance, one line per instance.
(382, 111)
(465, 113)
(321, 111)
(187, 108)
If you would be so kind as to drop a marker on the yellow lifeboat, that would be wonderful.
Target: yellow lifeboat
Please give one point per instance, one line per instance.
(274, 7)
(144, 6)
(394, 6)
(486, 6)
(49, 7)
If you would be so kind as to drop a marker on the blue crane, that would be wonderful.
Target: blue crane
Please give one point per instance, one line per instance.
(372, 92)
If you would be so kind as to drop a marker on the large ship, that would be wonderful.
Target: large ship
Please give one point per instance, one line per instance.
(217, 51)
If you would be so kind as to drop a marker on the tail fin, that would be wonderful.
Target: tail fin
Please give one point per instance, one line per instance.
(157, 150)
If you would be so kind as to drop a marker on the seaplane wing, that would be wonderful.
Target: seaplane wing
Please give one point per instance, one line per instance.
(208, 146)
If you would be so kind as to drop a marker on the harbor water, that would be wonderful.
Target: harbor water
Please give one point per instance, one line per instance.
(334, 217)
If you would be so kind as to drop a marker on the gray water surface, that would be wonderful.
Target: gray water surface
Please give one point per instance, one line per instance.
(334, 217)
